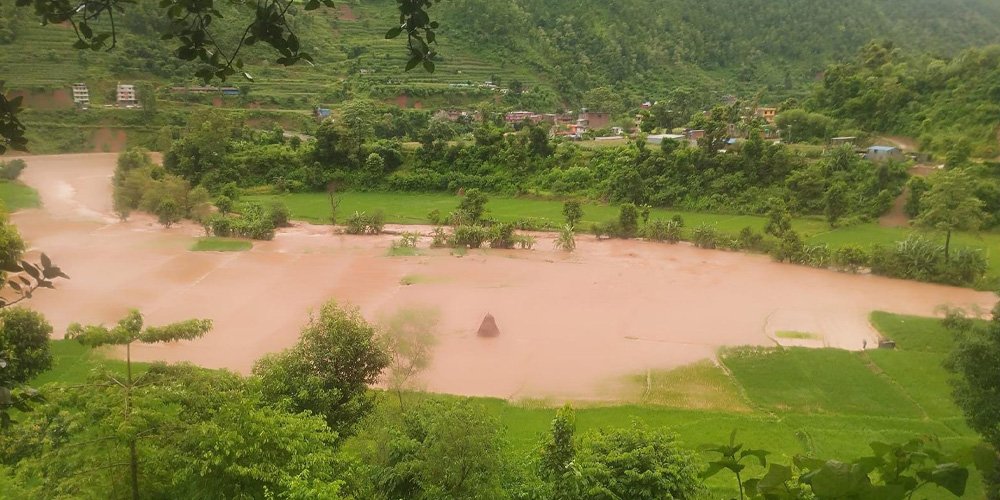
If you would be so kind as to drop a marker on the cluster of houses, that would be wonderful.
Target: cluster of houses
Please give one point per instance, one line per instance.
(125, 96)
(567, 125)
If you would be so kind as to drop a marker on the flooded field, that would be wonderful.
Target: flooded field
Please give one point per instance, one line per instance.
(571, 326)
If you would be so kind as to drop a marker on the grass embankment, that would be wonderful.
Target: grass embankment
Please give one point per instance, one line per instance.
(214, 244)
(16, 196)
(412, 208)
(824, 402)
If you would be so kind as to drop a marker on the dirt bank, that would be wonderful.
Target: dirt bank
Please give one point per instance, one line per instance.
(569, 324)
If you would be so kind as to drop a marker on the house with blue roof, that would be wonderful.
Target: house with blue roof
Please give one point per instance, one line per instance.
(880, 154)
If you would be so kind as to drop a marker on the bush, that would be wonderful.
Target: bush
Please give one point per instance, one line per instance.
(789, 248)
(407, 240)
(502, 236)
(224, 204)
(365, 223)
(750, 240)
(468, 236)
(221, 225)
(434, 217)
(439, 238)
(11, 170)
(566, 241)
(474, 204)
(628, 220)
(254, 222)
(678, 219)
(279, 214)
(611, 229)
(524, 241)
(816, 256)
(572, 212)
(660, 230)
(850, 258)
(919, 259)
(705, 236)
(168, 212)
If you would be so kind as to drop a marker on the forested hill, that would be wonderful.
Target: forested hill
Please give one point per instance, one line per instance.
(559, 48)
(647, 43)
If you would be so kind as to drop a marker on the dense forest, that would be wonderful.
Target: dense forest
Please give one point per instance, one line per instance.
(947, 103)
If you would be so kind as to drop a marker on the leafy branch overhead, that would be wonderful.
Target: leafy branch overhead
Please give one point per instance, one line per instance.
(190, 23)
(130, 329)
(11, 128)
(24, 278)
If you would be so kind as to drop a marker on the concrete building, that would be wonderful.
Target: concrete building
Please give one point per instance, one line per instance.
(592, 120)
(125, 95)
(81, 95)
(767, 114)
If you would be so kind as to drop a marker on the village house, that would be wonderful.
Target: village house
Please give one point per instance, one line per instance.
(81, 95)
(125, 95)
(517, 116)
(592, 120)
(767, 114)
(880, 154)
(659, 138)
(321, 113)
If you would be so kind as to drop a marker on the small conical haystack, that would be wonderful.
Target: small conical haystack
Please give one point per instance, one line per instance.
(489, 327)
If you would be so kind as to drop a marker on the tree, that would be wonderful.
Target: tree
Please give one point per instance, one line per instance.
(975, 362)
(224, 204)
(573, 212)
(203, 433)
(779, 221)
(950, 205)
(409, 337)
(11, 244)
(628, 219)
(168, 212)
(329, 369)
(556, 465)
(374, 169)
(24, 353)
(636, 463)
(129, 330)
(443, 450)
(835, 201)
(146, 94)
(474, 204)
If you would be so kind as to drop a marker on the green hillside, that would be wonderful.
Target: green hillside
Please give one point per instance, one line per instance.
(639, 46)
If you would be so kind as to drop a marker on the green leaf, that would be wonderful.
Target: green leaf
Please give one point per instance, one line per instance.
(393, 32)
(413, 62)
(951, 477)
(776, 477)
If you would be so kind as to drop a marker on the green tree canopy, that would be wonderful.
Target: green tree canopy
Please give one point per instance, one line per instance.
(328, 371)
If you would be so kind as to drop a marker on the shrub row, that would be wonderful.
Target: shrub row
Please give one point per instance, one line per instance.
(255, 221)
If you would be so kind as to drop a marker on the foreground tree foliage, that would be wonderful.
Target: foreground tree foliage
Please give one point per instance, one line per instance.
(975, 361)
(328, 371)
(200, 434)
(442, 450)
(24, 354)
(128, 331)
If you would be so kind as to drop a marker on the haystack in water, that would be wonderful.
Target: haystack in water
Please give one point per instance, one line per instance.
(488, 328)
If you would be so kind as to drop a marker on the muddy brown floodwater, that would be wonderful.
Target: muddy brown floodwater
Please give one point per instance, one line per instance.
(571, 326)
